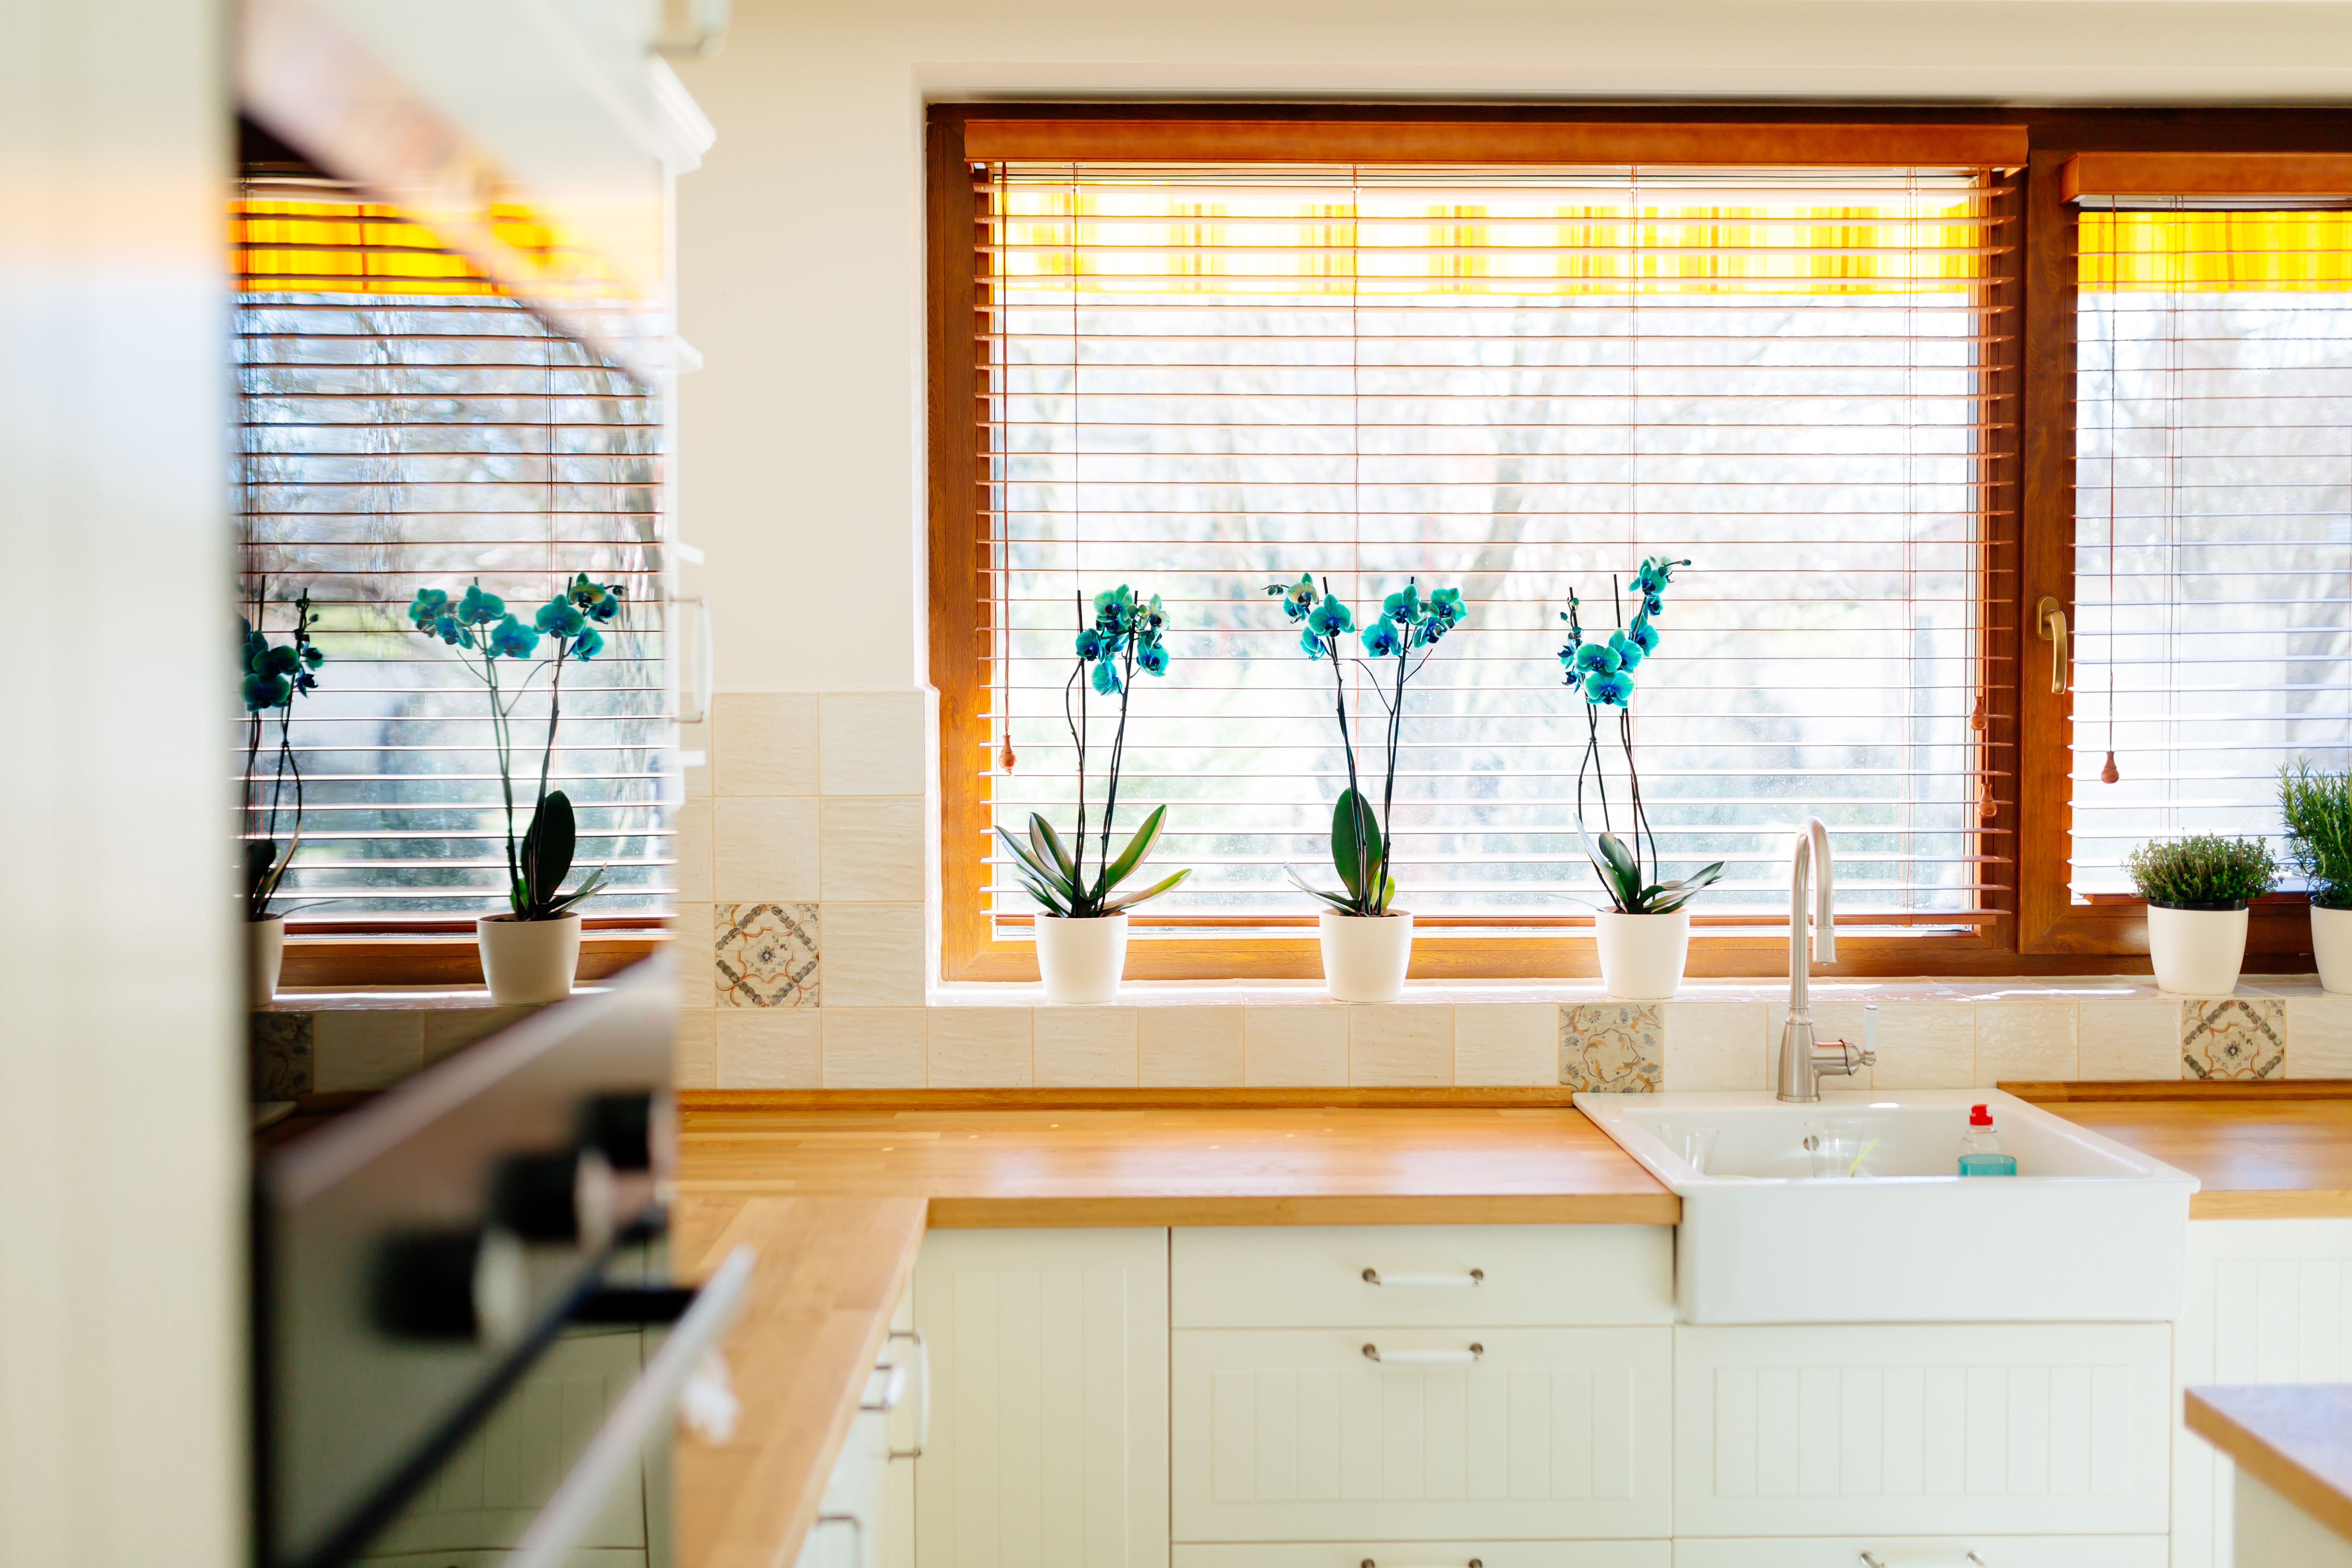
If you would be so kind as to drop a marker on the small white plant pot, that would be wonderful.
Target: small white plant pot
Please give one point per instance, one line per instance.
(1365, 955)
(528, 961)
(1081, 960)
(2331, 944)
(1642, 956)
(265, 957)
(2197, 952)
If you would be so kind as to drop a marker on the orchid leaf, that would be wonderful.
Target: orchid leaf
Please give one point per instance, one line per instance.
(1032, 865)
(1136, 848)
(1359, 862)
(1120, 906)
(1038, 891)
(1345, 905)
(1050, 848)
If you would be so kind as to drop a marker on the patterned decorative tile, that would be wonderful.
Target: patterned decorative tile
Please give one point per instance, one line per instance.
(2233, 1036)
(281, 1045)
(766, 954)
(1614, 1048)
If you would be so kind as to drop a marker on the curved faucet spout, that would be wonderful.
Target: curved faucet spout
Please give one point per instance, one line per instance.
(1801, 1059)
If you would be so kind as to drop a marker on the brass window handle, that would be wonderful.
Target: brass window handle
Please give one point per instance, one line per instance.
(2050, 622)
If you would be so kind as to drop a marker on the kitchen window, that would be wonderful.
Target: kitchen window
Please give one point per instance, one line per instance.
(1516, 375)
(405, 422)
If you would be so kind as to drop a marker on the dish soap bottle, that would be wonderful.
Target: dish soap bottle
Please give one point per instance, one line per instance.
(1981, 1153)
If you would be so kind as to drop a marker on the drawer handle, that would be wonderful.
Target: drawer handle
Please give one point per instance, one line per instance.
(923, 1366)
(1426, 1281)
(1425, 1357)
(1871, 1560)
(1475, 1563)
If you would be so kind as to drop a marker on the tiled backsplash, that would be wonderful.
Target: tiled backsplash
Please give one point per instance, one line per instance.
(804, 864)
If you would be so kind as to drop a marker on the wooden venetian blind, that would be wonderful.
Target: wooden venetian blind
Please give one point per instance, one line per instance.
(1199, 379)
(404, 422)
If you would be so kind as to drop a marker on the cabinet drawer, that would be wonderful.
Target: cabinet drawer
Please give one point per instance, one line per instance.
(2008, 1429)
(1928, 1551)
(1296, 1434)
(1324, 1276)
(1433, 1554)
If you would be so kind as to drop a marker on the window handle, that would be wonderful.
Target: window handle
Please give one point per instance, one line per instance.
(2050, 622)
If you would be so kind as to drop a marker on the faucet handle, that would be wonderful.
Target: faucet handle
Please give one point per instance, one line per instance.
(1869, 1057)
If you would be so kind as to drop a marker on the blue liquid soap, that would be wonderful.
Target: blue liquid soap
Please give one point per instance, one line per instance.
(1981, 1153)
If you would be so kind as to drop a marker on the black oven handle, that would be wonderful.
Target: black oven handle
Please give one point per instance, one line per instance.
(651, 1400)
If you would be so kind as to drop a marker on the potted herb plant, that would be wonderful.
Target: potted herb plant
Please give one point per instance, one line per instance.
(2198, 889)
(1082, 915)
(1367, 941)
(531, 953)
(271, 676)
(1644, 934)
(2317, 805)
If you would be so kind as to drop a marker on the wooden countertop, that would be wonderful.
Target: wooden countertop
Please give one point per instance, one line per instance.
(1439, 1164)
(2296, 1439)
(829, 1273)
(2258, 1158)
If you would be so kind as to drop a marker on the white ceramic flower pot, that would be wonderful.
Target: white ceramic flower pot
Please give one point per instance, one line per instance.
(1642, 956)
(2197, 952)
(1081, 960)
(265, 957)
(2331, 943)
(1365, 955)
(528, 961)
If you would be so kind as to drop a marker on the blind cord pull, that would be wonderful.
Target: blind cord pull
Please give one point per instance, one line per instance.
(2109, 774)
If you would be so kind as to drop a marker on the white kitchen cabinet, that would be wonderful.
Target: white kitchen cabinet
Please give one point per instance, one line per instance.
(1927, 1552)
(1298, 1435)
(1049, 1417)
(2269, 1300)
(1431, 1555)
(2000, 1430)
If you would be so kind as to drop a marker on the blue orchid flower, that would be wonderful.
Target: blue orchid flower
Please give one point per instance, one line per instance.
(1627, 652)
(1115, 609)
(1597, 659)
(1613, 688)
(1445, 609)
(1330, 618)
(588, 644)
(1091, 644)
(1297, 597)
(598, 600)
(452, 630)
(1404, 605)
(512, 640)
(430, 605)
(1384, 637)
(1644, 635)
(1151, 620)
(1151, 658)
(559, 617)
(1107, 679)
(1313, 644)
(480, 609)
(265, 691)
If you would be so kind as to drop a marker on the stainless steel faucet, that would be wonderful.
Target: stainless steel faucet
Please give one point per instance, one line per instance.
(1803, 1059)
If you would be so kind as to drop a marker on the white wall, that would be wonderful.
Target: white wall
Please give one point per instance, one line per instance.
(800, 238)
(121, 1093)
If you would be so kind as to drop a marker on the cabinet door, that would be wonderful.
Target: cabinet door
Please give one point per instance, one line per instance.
(2269, 1300)
(1049, 1416)
(1298, 1435)
(2017, 1429)
(1433, 1555)
(1927, 1552)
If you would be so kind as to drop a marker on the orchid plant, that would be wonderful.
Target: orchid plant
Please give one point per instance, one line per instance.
(1124, 636)
(1407, 625)
(271, 676)
(1601, 670)
(481, 625)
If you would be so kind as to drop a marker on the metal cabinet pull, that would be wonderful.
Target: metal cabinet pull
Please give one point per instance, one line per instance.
(1425, 1357)
(1426, 1282)
(1871, 1560)
(922, 1405)
(894, 1388)
(1475, 1563)
(2050, 622)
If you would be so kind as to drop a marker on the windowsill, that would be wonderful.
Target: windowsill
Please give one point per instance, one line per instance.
(1457, 993)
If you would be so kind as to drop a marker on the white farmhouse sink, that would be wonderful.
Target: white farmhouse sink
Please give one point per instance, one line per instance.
(2087, 1231)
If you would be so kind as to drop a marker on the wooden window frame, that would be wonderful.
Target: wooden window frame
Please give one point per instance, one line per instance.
(2036, 928)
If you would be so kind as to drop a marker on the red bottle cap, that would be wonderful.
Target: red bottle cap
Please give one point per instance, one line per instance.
(1981, 1116)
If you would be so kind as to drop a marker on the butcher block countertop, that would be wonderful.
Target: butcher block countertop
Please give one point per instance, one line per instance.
(2296, 1439)
(1375, 1162)
(2263, 1151)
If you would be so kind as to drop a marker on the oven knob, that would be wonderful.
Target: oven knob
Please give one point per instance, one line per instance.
(457, 1284)
(561, 1198)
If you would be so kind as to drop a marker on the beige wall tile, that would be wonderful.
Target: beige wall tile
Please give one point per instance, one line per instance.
(872, 1048)
(873, 743)
(2022, 1040)
(694, 1050)
(2123, 1040)
(766, 744)
(1923, 1045)
(690, 819)
(873, 848)
(1302, 1044)
(979, 1048)
(692, 738)
(2318, 1037)
(1192, 1048)
(874, 954)
(1399, 1044)
(1084, 1047)
(769, 1048)
(1715, 1046)
(448, 1030)
(365, 1050)
(1506, 1043)
(1613, 1048)
(690, 955)
(763, 850)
